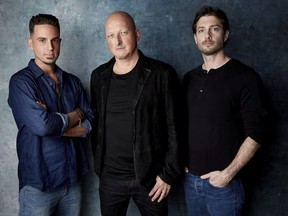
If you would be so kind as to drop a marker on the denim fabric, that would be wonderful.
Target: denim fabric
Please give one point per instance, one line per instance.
(203, 199)
(66, 202)
(115, 196)
(48, 161)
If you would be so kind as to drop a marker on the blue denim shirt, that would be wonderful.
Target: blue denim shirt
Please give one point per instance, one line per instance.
(48, 161)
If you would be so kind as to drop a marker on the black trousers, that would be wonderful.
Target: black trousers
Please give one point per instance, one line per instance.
(115, 196)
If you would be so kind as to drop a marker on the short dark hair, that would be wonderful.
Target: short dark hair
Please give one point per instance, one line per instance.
(42, 19)
(211, 11)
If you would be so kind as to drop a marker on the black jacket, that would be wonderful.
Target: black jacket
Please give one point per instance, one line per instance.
(155, 120)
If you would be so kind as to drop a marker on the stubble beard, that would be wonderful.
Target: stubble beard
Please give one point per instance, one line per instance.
(211, 51)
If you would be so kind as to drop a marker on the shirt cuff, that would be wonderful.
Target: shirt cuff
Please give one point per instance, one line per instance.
(64, 118)
(86, 124)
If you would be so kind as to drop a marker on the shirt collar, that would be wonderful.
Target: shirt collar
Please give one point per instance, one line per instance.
(37, 71)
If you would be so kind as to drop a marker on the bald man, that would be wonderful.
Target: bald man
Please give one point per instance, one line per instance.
(135, 139)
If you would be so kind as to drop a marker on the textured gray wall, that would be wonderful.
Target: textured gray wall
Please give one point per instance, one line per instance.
(258, 38)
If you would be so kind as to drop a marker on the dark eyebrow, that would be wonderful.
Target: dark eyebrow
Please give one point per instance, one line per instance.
(41, 38)
(216, 25)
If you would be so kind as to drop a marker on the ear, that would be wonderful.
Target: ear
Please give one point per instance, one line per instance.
(195, 38)
(226, 36)
(137, 31)
(29, 42)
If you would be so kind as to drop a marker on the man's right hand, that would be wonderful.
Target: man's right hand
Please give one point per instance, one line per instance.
(75, 117)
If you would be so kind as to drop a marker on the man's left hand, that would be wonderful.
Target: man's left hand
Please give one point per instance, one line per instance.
(217, 178)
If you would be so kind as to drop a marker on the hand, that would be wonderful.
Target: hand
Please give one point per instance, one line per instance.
(75, 117)
(41, 104)
(160, 190)
(77, 131)
(217, 178)
(80, 113)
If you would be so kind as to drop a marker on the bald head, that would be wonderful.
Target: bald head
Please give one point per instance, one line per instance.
(121, 16)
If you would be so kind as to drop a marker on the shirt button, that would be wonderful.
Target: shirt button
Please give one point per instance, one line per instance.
(201, 90)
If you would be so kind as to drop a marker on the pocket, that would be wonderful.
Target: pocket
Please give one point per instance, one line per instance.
(223, 193)
(215, 187)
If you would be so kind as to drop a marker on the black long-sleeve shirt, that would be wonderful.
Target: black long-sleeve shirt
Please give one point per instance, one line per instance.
(224, 107)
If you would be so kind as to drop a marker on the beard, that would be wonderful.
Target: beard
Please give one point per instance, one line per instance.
(214, 48)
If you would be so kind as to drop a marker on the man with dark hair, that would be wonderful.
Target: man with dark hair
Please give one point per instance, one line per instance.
(135, 140)
(226, 116)
(53, 116)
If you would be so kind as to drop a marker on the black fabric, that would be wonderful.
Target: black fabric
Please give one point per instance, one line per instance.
(119, 161)
(116, 194)
(155, 128)
(224, 107)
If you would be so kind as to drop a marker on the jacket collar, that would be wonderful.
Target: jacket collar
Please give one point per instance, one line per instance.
(144, 73)
(108, 67)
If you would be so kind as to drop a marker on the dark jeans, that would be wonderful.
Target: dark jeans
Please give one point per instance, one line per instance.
(115, 196)
(203, 199)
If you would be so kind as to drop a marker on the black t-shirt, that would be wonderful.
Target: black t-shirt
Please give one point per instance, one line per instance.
(119, 160)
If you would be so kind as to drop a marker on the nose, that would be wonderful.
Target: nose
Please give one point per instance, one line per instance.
(50, 45)
(118, 39)
(208, 34)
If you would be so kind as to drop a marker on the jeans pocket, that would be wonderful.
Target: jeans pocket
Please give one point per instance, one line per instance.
(219, 192)
(216, 187)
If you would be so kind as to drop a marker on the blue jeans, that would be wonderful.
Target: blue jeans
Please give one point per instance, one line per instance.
(66, 202)
(204, 199)
(115, 196)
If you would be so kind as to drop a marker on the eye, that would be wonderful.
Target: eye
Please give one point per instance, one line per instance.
(200, 31)
(123, 33)
(42, 40)
(110, 36)
(215, 29)
(56, 41)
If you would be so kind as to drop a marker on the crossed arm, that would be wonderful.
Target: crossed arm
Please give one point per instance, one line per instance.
(74, 128)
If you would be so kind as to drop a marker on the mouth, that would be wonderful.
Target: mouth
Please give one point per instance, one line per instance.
(120, 48)
(49, 56)
(208, 43)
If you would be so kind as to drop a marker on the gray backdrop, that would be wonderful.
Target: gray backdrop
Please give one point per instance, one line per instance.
(258, 38)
